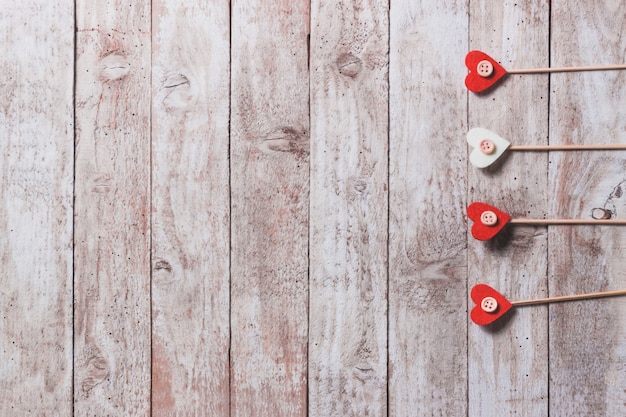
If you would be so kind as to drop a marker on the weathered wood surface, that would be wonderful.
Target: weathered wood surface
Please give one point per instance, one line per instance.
(190, 206)
(349, 186)
(588, 353)
(508, 364)
(36, 177)
(427, 242)
(261, 209)
(270, 207)
(112, 210)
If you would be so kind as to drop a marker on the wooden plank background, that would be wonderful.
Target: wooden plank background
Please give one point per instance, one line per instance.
(257, 208)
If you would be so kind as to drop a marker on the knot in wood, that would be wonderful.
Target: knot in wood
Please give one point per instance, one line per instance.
(162, 265)
(285, 139)
(178, 92)
(359, 186)
(114, 67)
(349, 65)
(601, 214)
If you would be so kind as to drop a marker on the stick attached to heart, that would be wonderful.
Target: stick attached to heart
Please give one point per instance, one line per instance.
(488, 147)
(488, 220)
(491, 305)
(484, 71)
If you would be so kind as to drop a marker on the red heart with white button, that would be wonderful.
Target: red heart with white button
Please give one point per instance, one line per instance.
(487, 146)
(484, 71)
(488, 220)
(490, 305)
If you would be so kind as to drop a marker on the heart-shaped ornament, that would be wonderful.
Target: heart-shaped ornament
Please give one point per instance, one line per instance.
(484, 71)
(487, 147)
(490, 305)
(488, 220)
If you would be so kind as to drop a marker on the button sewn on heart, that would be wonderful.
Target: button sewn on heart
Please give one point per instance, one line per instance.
(485, 226)
(475, 63)
(487, 146)
(490, 305)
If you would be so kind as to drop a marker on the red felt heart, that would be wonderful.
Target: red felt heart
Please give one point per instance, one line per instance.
(478, 314)
(474, 81)
(482, 231)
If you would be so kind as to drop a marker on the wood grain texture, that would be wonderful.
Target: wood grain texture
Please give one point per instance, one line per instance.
(349, 222)
(508, 361)
(190, 197)
(36, 180)
(229, 230)
(588, 353)
(428, 183)
(112, 209)
(269, 211)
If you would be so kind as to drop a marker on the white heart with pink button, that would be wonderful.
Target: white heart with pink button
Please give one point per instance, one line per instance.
(487, 146)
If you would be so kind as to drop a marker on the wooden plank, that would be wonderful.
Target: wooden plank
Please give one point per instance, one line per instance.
(349, 225)
(427, 248)
(190, 195)
(587, 338)
(112, 209)
(36, 181)
(508, 361)
(269, 177)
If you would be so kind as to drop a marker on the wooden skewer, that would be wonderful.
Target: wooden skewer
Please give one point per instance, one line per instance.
(491, 305)
(615, 146)
(489, 220)
(567, 69)
(569, 221)
(569, 298)
(482, 75)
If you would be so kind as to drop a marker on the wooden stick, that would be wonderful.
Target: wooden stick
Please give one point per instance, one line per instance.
(569, 298)
(614, 146)
(567, 69)
(569, 221)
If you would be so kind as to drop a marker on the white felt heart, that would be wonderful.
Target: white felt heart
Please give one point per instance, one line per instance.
(487, 147)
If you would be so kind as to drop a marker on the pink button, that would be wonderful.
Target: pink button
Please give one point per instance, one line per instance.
(489, 304)
(488, 218)
(487, 146)
(484, 68)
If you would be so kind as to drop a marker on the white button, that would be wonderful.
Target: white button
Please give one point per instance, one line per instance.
(489, 218)
(489, 304)
(487, 146)
(484, 68)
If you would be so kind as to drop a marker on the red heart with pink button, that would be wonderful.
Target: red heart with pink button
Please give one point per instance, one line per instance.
(484, 71)
(488, 220)
(490, 305)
